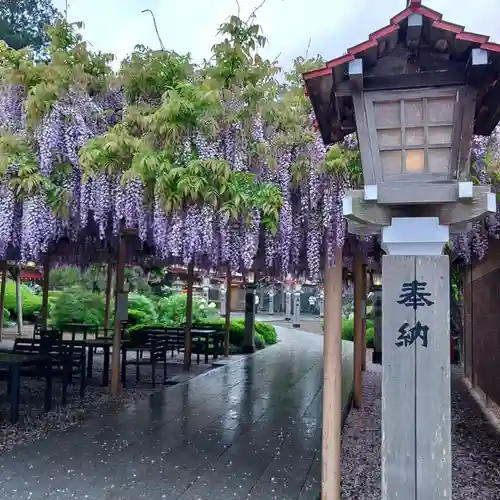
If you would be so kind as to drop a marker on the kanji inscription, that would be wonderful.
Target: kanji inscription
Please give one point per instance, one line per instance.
(415, 295)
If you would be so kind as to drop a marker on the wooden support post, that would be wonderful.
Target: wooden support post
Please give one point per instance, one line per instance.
(2, 297)
(227, 335)
(19, 301)
(363, 321)
(117, 339)
(359, 338)
(109, 279)
(248, 342)
(45, 291)
(189, 318)
(416, 428)
(332, 381)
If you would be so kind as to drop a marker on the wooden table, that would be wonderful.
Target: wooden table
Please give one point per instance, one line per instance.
(83, 328)
(207, 334)
(14, 362)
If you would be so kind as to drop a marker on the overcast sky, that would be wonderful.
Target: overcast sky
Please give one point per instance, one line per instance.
(332, 26)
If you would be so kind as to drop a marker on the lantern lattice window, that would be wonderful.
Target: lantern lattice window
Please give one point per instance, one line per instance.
(413, 133)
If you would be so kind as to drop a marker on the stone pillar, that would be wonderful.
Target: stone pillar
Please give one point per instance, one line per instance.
(206, 289)
(262, 294)
(321, 303)
(377, 324)
(271, 300)
(288, 303)
(296, 307)
(222, 297)
(416, 424)
(248, 343)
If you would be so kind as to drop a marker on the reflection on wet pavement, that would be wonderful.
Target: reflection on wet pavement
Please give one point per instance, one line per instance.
(249, 430)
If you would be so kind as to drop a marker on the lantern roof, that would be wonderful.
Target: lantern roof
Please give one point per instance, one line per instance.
(441, 52)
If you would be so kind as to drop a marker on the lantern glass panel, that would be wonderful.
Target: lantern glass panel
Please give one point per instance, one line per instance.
(388, 114)
(415, 161)
(414, 114)
(440, 135)
(414, 137)
(439, 160)
(441, 109)
(391, 162)
(388, 138)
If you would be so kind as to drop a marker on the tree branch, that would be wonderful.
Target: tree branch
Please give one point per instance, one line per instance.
(156, 27)
(254, 11)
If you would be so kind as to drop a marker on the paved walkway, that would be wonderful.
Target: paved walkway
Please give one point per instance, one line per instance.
(249, 430)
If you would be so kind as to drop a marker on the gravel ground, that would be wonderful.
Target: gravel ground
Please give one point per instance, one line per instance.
(475, 446)
(34, 423)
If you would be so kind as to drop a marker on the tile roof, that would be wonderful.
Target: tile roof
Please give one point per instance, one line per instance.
(414, 6)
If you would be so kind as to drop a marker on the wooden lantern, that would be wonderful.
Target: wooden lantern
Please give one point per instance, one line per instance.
(415, 92)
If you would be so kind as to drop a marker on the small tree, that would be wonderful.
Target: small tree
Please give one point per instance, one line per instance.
(23, 22)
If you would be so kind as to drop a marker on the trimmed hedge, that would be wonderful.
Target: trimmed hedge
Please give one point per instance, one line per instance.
(31, 303)
(348, 331)
(267, 332)
(264, 334)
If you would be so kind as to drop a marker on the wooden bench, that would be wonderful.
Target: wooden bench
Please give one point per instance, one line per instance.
(68, 359)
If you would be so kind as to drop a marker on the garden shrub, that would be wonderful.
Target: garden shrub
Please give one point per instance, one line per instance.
(370, 338)
(236, 334)
(267, 331)
(136, 317)
(32, 304)
(259, 341)
(172, 310)
(348, 331)
(142, 304)
(75, 305)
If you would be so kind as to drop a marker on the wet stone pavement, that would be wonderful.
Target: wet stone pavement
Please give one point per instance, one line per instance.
(249, 430)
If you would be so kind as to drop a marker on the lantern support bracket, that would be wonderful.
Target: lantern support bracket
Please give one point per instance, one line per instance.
(356, 209)
(366, 218)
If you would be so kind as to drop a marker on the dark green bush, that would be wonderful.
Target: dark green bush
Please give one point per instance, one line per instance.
(369, 338)
(136, 317)
(259, 341)
(267, 331)
(78, 306)
(236, 335)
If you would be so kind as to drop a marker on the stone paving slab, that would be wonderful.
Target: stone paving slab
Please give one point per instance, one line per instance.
(247, 430)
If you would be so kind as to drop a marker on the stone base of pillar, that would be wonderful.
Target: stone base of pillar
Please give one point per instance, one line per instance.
(248, 349)
(377, 357)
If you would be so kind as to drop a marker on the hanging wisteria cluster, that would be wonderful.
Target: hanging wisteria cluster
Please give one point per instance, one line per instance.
(473, 244)
(82, 184)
